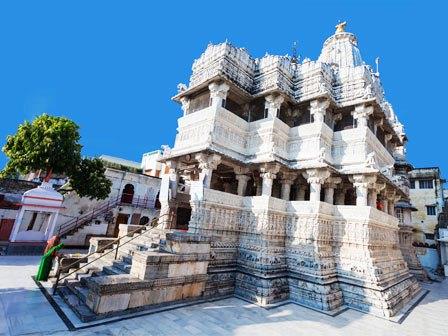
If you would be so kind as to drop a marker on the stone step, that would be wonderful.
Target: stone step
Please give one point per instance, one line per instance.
(76, 304)
(111, 270)
(124, 266)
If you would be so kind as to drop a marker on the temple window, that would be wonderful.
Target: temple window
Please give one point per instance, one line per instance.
(286, 115)
(223, 179)
(199, 101)
(276, 188)
(381, 135)
(232, 106)
(257, 110)
(303, 116)
(346, 122)
(350, 197)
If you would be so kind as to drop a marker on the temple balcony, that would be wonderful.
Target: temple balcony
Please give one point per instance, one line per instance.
(219, 129)
(351, 148)
(349, 213)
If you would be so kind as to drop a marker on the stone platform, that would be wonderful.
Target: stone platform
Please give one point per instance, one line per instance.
(25, 311)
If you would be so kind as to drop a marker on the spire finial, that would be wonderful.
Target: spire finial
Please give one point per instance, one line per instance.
(295, 57)
(377, 62)
(340, 27)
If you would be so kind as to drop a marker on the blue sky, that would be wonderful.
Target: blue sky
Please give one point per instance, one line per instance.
(112, 66)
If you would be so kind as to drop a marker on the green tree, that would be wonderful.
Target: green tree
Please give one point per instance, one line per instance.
(90, 174)
(51, 144)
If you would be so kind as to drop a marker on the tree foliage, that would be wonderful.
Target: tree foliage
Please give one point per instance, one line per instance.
(51, 144)
(48, 143)
(90, 174)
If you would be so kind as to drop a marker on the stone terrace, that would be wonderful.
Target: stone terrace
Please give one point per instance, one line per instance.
(25, 311)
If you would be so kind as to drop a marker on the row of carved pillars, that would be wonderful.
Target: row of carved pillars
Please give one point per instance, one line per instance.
(368, 190)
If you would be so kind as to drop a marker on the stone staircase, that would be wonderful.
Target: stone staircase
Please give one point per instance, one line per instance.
(152, 269)
(73, 289)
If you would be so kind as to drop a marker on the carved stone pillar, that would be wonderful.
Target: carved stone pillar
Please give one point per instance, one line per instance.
(387, 139)
(318, 109)
(361, 114)
(374, 192)
(185, 105)
(286, 181)
(362, 183)
(371, 197)
(173, 178)
(301, 190)
(316, 177)
(391, 198)
(339, 198)
(259, 187)
(330, 185)
(242, 183)
(207, 163)
(218, 93)
(268, 173)
(273, 104)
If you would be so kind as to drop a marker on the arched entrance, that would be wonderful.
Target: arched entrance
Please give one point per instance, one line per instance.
(128, 194)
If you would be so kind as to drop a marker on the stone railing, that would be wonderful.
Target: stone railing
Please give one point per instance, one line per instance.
(306, 142)
(382, 155)
(351, 147)
(222, 198)
(365, 214)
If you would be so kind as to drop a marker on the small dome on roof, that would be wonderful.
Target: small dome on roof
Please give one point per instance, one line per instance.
(43, 195)
(45, 190)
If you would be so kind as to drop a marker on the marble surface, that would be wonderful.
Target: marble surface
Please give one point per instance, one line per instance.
(25, 311)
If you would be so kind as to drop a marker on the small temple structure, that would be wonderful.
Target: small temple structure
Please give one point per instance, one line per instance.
(281, 187)
(36, 219)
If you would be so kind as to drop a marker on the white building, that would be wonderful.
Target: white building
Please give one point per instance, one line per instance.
(426, 193)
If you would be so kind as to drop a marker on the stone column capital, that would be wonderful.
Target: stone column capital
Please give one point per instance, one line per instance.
(379, 187)
(208, 161)
(318, 108)
(270, 168)
(362, 110)
(273, 102)
(172, 166)
(240, 170)
(391, 195)
(242, 177)
(363, 180)
(316, 175)
(361, 113)
(332, 182)
(318, 105)
(288, 178)
(218, 90)
(268, 175)
(185, 101)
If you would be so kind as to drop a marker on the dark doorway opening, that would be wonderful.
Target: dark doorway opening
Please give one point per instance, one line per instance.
(183, 216)
(128, 194)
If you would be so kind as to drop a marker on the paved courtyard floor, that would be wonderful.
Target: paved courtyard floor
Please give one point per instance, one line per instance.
(25, 311)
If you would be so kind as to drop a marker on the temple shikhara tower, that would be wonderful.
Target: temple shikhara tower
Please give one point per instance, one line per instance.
(282, 187)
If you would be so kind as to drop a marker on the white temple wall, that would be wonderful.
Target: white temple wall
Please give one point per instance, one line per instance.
(233, 136)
